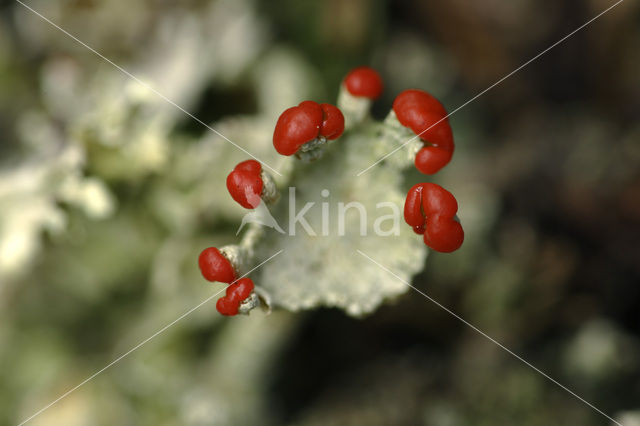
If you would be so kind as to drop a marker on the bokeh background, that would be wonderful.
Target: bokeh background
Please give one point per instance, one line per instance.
(108, 193)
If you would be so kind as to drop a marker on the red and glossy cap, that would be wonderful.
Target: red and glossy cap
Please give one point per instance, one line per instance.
(304, 123)
(235, 294)
(427, 118)
(245, 184)
(430, 210)
(215, 266)
(365, 82)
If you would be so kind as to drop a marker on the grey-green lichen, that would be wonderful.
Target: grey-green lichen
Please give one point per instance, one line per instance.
(342, 212)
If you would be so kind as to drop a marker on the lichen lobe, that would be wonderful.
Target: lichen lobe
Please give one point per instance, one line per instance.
(326, 269)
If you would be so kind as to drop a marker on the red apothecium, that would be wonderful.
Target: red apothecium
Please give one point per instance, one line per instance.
(235, 294)
(245, 184)
(427, 118)
(215, 266)
(430, 210)
(365, 82)
(304, 123)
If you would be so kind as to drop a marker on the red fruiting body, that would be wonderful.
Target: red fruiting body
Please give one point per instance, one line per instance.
(430, 159)
(304, 123)
(364, 81)
(430, 210)
(332, 122)
(427, 118)
(235, 294)
(215, 267)
(245, 184)
(297, 126)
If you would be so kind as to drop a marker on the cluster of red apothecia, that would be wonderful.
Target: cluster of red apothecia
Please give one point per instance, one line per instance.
(429, 209)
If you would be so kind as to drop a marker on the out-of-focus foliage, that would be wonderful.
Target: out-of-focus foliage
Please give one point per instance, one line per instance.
(108, 192)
